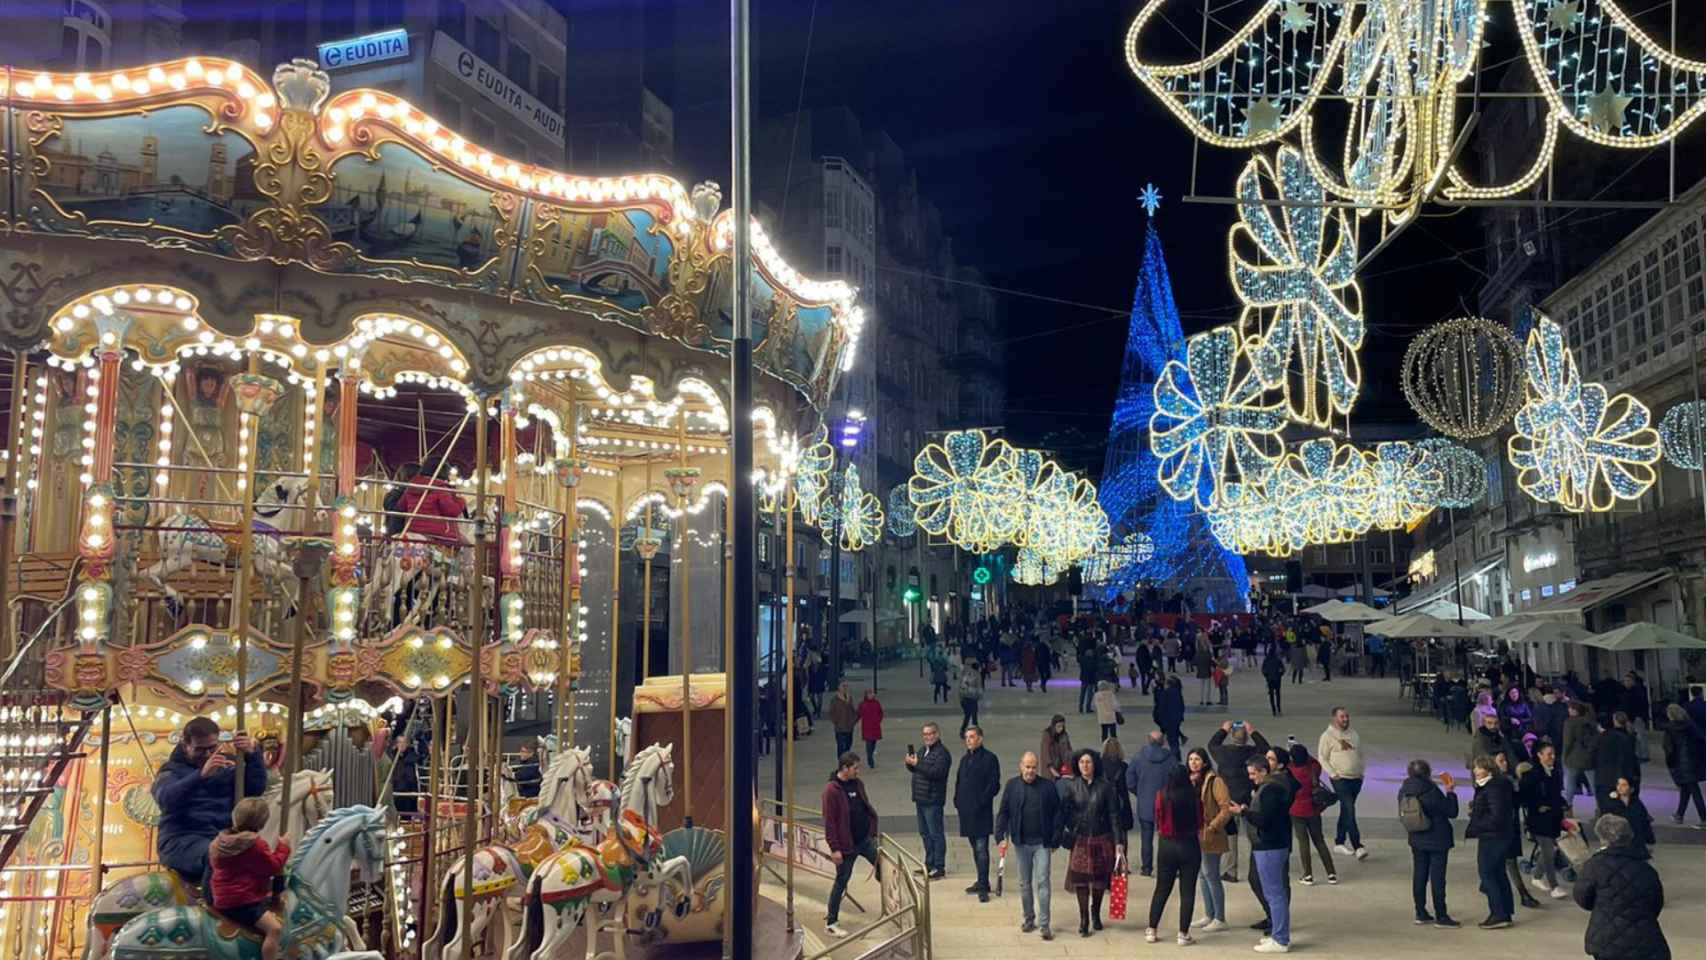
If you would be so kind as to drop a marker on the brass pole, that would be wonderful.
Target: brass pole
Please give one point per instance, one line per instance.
(101, 806)
(9, 503)
(646, 584)
(788, 711)
(684, 528)
(248, 434)
(304, 583)
(441, 734)
(476, 682)
(572, 593)
(615, 614)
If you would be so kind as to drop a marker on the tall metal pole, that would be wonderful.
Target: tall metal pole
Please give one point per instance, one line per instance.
(789, 637)
(1456, 565)
(476, 684)
(835, 568)
(743, 666)
(616, 615)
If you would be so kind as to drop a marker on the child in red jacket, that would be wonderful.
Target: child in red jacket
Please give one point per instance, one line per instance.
(243, 868)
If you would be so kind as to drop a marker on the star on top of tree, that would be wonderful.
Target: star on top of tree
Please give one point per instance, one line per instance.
(1261, 116)
(1295, 17)
(1150, 198)
(1606, 109)
(1565, 14)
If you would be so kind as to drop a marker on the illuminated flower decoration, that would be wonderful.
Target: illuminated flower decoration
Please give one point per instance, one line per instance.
(902, 523)
(1406, 484)
(1463, 473)
(1046, 492)
(1325, 487)
(1032, 570)
(1250, 520)
(1086, 529)
(964, 489)
(1141, 547)
(861, 513)
(1210, 427)
(811, 474)
(1574, 444)
(1296, 276)
(1681, 432)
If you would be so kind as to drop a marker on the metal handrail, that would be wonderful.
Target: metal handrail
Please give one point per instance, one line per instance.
(18, 656)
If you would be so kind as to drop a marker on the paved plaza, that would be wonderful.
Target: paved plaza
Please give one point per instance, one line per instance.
(1368, 914)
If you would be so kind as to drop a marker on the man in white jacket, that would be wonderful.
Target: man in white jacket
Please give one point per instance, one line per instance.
(1340, 753)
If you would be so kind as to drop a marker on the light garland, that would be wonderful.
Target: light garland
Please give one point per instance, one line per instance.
(1575, 445)
(1464, 377)
(1680, 433)
(1032, 569)
(964, 488)
(1463, 472)
(1326, 489)
(861, 513)
(1210, 428)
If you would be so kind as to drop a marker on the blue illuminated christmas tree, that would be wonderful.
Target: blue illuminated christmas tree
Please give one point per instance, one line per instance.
(1187, 557)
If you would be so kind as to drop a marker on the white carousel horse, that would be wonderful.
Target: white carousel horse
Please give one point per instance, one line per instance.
(501, 872)
(316, 901)
(187, 537)
(120, 902)
(625, 740)
(582, 877)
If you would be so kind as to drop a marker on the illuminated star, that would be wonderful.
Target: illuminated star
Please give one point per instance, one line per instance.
(1564, 15)
(1261, 116)
(1295, 17)
(1606, 109)
(1150, 198)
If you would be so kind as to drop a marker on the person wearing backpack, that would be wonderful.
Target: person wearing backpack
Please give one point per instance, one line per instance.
(1426, 811)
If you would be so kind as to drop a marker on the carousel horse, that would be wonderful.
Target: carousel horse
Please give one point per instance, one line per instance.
(315, 904)
(119, 903)
(581, 877)
(187, 537)
(501, 872)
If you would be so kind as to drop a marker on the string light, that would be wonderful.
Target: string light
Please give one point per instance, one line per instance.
(1406, 484)
(1464, 377)
(861, 513)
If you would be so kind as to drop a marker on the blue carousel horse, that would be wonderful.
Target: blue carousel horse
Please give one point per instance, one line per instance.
(316, 902)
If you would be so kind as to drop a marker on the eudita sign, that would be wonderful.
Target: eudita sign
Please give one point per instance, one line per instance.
(388, 45)
(496, 87)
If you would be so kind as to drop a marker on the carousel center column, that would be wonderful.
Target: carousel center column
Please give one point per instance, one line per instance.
(96, 543)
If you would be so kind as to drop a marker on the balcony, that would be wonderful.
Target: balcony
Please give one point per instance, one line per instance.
(1644, 539)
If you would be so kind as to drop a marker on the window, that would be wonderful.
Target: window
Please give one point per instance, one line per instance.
(1377, 556)
(520, 66)
(485, 40)
(447, 110)
(1546, 590)
(453, 19)
(1566, 586)
(384, 13)
(550, 90)
(83, 39)
(832, 259)
(483, 130)
(832, 207)
(1527, 595)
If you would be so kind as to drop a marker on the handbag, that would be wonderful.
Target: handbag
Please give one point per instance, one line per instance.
(1119, 718)
(1117, 890)
(1321, 797)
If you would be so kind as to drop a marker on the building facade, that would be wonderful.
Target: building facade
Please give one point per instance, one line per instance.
(94, 35)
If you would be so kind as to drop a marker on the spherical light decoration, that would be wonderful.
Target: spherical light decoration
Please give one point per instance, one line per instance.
(1463, 472)
(902, 522)
(1680, 432)
(1032, 570)
(1464, 377)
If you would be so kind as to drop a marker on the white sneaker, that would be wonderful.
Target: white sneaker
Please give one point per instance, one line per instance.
(1559, 893)
(1541, 884)
(1215, 926)
(1344, 849)
(1362, 853)
(834, 930)
(1184, 940)
(1201, 922)
(1272, 946)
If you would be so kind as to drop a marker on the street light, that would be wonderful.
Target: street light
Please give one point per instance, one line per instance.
(848, 434)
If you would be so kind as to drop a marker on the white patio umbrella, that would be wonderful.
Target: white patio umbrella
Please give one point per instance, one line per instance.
(1354, 613)
(1322, 609)
(1411, 625)
(1316, 591)
(1532, 630)
(1448, 610)
(1645, 636)
(1354, 591)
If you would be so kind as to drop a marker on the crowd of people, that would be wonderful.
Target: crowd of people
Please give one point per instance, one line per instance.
(1193, 808)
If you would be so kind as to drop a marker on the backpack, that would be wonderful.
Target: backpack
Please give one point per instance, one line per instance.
(1410, 814)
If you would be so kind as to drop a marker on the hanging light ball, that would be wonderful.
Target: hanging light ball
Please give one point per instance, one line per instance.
(902, 519)
(1464, 377)
(1464, 470)
(1680, 433)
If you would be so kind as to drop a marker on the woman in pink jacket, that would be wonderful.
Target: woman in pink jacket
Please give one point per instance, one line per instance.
(871, 726)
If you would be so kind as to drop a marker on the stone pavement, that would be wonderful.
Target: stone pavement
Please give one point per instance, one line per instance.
(1367, 914)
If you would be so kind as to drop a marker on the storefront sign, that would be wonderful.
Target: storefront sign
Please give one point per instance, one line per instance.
(373, 48)
(1538, 561)
(499, 89)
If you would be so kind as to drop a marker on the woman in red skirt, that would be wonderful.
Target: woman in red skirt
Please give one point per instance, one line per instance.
(1091, 819)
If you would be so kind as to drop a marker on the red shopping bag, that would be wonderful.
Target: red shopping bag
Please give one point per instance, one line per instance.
(1117, 891)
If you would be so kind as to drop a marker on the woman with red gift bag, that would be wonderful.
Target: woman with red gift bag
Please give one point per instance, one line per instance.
(1178, 818)
(1092, 824)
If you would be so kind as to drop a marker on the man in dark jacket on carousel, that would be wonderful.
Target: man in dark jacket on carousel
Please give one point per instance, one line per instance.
(975, 787)
(196, 790)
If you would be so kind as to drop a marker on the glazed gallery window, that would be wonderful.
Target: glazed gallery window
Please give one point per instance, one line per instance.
(83, 40)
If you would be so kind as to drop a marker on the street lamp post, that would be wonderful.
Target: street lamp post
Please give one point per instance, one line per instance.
(847, 438)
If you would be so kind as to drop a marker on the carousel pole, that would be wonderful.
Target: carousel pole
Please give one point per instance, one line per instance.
(476, 682)
(684, 537)
(615, 615)
(9, 498)
(98, 864)
(646, 555)
(565, 726)
(743, 668)
(788, 711)
(305, 567)
(255, 395)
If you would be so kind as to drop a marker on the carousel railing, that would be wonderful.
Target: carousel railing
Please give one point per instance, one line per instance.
(38, 740)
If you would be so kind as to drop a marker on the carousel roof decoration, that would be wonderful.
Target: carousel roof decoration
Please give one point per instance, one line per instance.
(1464, 377)
(1575, 444)
(1388, 74)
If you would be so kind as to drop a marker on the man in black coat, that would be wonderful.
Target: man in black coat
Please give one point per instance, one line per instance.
(1492, 818)
(930, 794)
(975, 787)
(1613, 757)
(1231, 748)
(1625, 895)
(1030, 816)
(1170, 713)
(1430, 848)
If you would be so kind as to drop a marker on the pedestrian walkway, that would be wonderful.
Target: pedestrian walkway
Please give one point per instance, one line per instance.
(1367, 914)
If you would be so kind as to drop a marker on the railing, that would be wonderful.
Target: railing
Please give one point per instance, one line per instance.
(901, 929)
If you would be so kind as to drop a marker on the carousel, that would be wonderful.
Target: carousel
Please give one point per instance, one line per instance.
(328, 423)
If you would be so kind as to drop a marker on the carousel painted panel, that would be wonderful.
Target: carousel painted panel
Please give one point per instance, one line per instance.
(408, 218)
(194, 668)
(174, 176)
(599, 259)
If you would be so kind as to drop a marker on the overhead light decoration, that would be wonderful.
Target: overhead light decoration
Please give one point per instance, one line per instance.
(1326, 487)
(1680, 434)
(1406, 484)
(1211, 427)
(1575, 445)
(1464, 377)
(964, 488)
(1463, 472)
(1397, 68)
(1249, 520)
(902, 522)
(811, 474)
(1293, 265)
(1031, 569)
(861, 513)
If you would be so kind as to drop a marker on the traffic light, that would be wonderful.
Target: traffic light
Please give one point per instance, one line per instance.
(912, 594)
